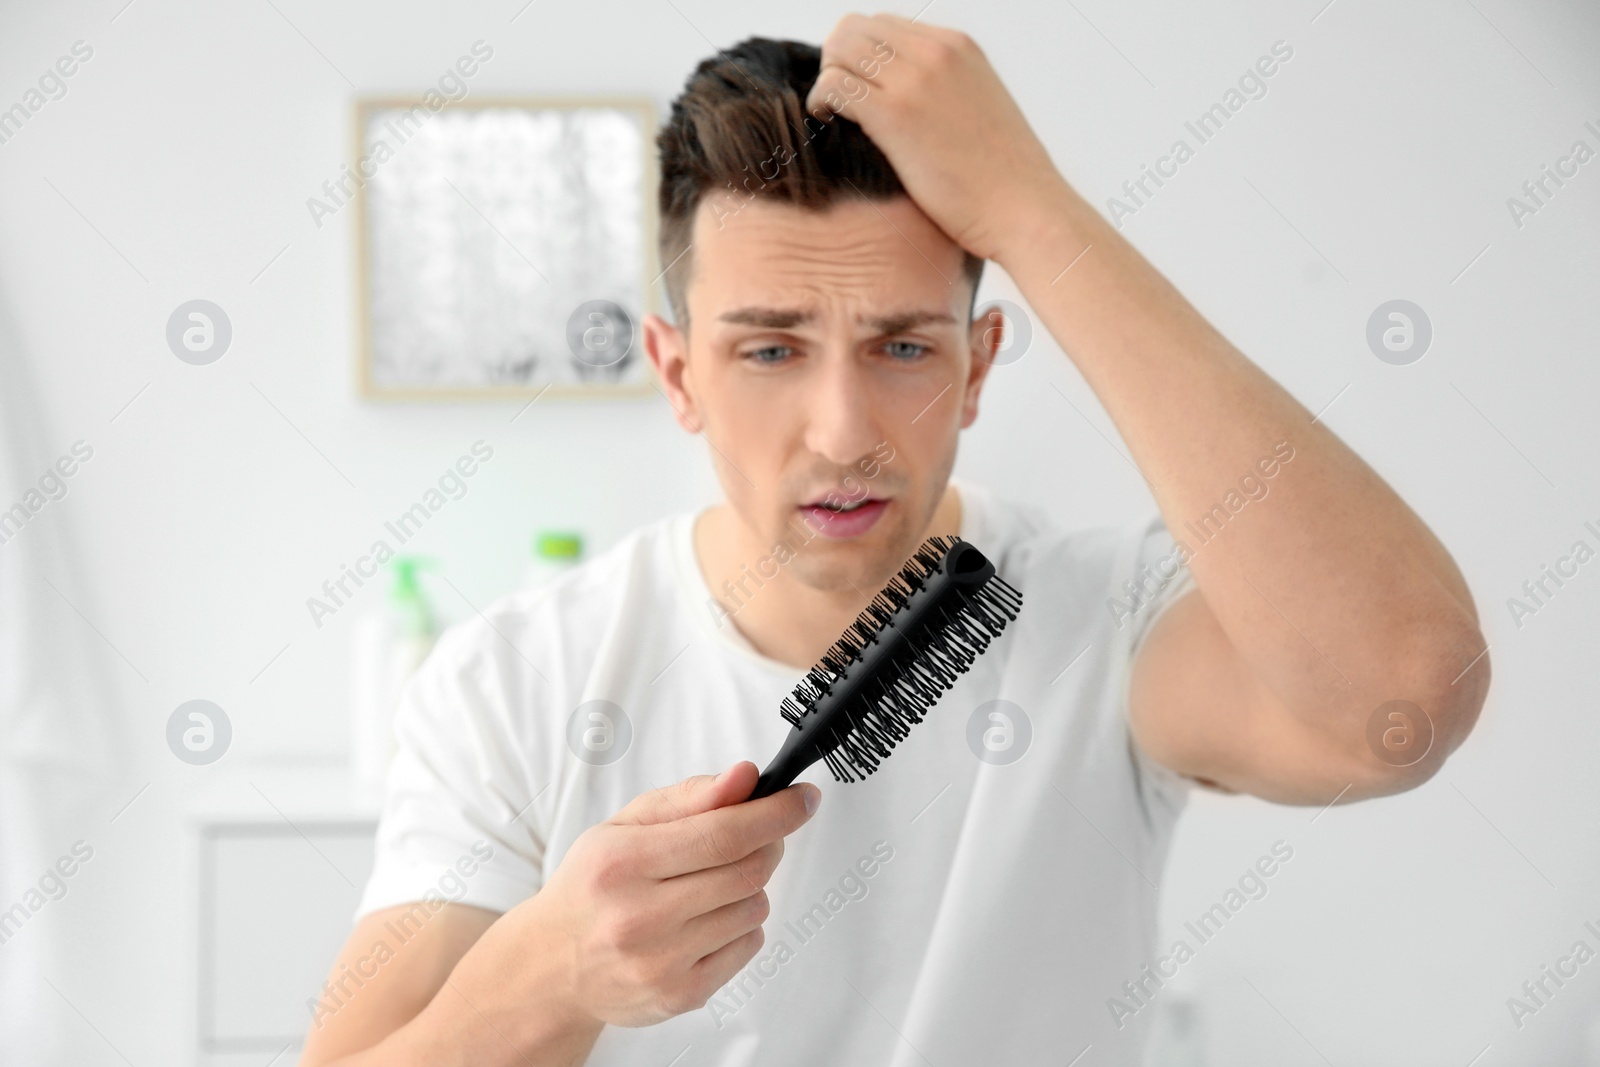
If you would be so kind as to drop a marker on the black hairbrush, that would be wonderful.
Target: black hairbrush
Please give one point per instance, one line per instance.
(893, 663)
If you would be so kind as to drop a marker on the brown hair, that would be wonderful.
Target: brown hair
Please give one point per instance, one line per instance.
(740, 118)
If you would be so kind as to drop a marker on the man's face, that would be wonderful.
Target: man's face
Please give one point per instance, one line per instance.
(830, 363)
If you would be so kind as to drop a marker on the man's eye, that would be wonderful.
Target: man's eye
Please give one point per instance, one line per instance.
(905, 350)
(769, 354)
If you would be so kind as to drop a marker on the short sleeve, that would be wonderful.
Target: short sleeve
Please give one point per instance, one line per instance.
(1150, 578)
(457, 822)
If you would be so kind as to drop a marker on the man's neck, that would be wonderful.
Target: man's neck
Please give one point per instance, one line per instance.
(784, 619)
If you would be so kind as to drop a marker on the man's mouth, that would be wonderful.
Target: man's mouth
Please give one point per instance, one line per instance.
(839, 519)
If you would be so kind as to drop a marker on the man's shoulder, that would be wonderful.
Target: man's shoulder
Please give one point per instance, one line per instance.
(1026, 540)
(1097, 574)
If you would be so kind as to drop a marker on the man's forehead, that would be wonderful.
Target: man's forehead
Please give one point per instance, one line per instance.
(773, 264)
(852, 224)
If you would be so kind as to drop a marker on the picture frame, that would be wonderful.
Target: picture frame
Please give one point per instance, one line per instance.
(506, 246)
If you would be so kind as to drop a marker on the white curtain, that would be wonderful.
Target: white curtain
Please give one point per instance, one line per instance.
(58, 729)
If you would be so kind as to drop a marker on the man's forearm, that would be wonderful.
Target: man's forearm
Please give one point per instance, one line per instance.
(454, 1032)
(469, 1022)
(1371, 598)
(461, 1036)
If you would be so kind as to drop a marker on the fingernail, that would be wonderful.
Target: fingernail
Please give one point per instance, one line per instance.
(723, 777)
(812, 797)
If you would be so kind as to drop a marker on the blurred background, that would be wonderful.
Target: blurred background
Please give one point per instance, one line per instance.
(175, 876)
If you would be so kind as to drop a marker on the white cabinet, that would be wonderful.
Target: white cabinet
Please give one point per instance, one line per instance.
(278, 861)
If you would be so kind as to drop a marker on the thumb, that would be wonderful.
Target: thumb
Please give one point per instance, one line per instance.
(692, 796)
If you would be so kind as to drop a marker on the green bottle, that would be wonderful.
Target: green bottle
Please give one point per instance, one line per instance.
(554, 553)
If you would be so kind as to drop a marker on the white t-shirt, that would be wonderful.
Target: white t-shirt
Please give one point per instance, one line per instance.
(948, 907)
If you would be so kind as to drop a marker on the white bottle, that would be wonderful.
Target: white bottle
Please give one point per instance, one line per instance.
(387, 647)
(1178, 1036)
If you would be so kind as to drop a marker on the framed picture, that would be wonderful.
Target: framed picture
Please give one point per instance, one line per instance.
(506, 246)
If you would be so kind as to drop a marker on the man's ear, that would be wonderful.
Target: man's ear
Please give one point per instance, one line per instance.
(986, 334)
(668, 349)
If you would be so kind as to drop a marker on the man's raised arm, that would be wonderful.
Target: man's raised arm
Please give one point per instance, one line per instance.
(1316, 609)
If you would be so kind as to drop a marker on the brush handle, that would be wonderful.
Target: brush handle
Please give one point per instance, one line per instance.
(786, 766)
(770, 783)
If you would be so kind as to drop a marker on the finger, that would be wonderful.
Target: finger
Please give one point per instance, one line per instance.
(723, 836)
(848, 26)
(853, 58)
(837, 92)
(707, 933)
(700, 892)
(692, 796)
(713, 972)
(852, 63)
(853, 29)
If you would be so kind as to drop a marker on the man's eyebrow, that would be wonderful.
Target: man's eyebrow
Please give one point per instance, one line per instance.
(767, 318)
(783, 318)
(906, 320)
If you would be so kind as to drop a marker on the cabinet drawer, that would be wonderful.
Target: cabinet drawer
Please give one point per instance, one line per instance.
(276, 902)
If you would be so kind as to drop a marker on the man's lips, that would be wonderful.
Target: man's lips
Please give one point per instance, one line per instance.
(834, 500)
(856, 520)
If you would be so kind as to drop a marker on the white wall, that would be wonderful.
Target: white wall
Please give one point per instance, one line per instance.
(178, 165)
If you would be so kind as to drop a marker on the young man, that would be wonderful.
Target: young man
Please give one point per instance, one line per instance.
(544, 869)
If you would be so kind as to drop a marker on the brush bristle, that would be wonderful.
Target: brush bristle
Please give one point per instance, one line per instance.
(933, 655)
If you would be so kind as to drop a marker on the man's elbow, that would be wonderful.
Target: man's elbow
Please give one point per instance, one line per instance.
(1408, 738)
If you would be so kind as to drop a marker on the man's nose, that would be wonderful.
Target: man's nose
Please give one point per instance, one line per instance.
(842, 423)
